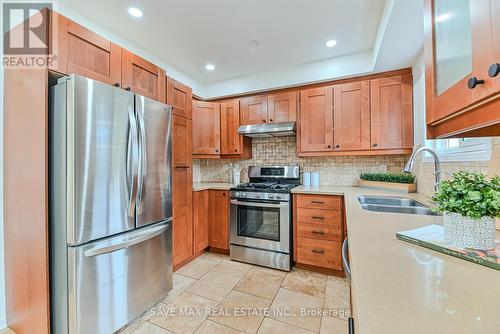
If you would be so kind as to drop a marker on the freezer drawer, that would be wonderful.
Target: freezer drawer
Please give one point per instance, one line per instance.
(113, 281)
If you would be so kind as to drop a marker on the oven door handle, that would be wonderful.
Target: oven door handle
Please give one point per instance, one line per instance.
(260, 205)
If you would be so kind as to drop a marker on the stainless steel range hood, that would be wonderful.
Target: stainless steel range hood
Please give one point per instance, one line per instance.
(283, 129)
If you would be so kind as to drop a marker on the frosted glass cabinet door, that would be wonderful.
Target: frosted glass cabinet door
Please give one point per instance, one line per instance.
(453, 43)
(462, 54)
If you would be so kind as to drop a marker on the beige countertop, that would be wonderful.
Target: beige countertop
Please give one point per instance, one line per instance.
(398, 287)
(199, 186)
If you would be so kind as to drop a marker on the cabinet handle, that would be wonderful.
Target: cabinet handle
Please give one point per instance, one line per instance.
(317, 232)
(236, 150)
(216, 151)
(264, 121)
(473, 82)
(128, 88)
(329, 146)
(271, 120)
(117, 84)
(494, 70)
(375, 145)
(337, 146)
(318, 217)
(317, 202)
(318, 251)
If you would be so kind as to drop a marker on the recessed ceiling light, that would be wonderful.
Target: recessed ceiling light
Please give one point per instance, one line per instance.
(443, 17)
(210, 67)
(331, 43)
(135, 12)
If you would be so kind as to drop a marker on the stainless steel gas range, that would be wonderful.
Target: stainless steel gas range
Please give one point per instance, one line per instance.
(261, 217)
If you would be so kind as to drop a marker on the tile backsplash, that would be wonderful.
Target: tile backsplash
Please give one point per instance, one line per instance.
(282, 151)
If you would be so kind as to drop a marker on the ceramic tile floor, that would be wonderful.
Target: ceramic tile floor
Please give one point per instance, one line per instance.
(214, 295)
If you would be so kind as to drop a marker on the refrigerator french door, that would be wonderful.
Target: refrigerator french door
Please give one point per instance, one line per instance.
(110, 205)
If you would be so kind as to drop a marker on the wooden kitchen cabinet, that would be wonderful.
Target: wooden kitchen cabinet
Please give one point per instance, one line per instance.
(233, 145)
(282, 107)
(142, 77)
(391, 113)
(219, 220)
(180, 97)
(318, 222)
(206, 129)
(200, 221)
(83, 52)
(182, 226)
(254, 110)
(351, 116)
(182, 142)
(315, 130)
(462, 99)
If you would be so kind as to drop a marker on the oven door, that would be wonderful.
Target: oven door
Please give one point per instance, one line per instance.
(262, 225)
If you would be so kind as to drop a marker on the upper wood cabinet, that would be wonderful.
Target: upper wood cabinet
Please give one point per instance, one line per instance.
(281, 107)
(142, 77)
(180, 97)
(254, 110)
(351, 116)
(460, 50)
(219, 219)
(315, 131)
(392, 113)
(83, 52)
(206, 129)
(182, 142)
(230, 121)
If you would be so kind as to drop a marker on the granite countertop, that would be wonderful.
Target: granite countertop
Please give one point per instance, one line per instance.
(398, 287)
(199, 186)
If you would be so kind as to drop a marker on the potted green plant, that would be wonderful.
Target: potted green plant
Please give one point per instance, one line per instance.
(392, 181)
(469, 203)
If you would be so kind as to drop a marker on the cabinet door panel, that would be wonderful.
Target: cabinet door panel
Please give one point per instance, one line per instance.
(206, 128)
(200, 220)
(142, 77)
(182, 227)
(254, 110)
(392, 113)
(231, 142)
(85, 53)
(458, 47)
(180, 97)
(316, 119)
(282, 107)
(182, 142)
(219, 219)
(352, 116)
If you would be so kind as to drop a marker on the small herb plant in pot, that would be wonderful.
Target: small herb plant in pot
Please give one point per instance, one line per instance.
(469, 203)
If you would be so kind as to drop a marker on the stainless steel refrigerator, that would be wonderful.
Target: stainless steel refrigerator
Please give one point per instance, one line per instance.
(110, 205)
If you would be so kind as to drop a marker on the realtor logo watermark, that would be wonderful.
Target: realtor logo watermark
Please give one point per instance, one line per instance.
(26, 30)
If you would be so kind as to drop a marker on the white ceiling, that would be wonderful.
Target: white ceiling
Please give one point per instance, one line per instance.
(192, 33)
(186, 35)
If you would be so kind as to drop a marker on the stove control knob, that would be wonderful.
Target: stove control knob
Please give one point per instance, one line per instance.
(271, 196)
(243, 195)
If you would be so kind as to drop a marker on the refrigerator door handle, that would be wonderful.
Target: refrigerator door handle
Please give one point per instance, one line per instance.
(143, 154)
(144, 236)
(132, 162)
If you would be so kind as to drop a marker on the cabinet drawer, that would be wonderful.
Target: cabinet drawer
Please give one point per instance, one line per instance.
(320, 253)
(315, 216)
(319, 202)
(319, 231)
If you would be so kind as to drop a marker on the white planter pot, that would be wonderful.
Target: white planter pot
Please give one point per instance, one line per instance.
(466, 232)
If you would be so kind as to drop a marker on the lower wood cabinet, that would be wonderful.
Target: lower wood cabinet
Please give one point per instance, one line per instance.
(200, 220)
(318, 222)
(219, 219)
(182, 226)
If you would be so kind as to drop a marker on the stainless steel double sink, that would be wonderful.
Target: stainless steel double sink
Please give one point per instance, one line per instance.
(395, 205)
